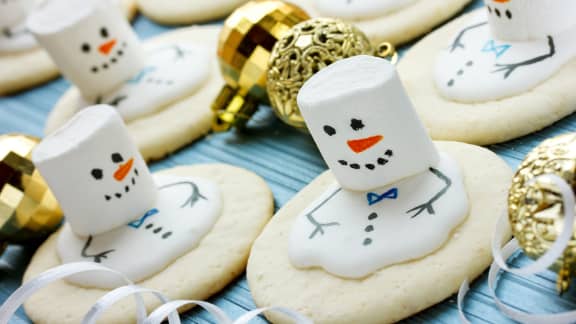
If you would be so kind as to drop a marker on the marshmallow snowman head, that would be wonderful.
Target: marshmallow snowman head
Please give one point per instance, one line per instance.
(524, 20)
(14, 12)
(364, 124)
(90, 41)
(96, 172)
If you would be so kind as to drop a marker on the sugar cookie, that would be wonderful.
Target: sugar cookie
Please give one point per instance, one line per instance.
(186, 231)
(27, 68)
(393, 206)
(501, 72)
(394, 21)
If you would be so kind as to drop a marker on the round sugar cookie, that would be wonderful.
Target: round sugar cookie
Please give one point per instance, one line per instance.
(219, 258)
(177, 124)
(395, 292)
(185, 12)
(397, 26)
(481, 123)
(23, 70)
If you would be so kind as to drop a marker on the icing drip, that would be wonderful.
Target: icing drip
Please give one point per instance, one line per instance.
(359, 9)
(400, 222)
(172, 72)
(476, 67)
(185, 212)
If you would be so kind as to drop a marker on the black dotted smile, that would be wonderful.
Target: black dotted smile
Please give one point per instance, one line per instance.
(119, 195)
(113, 60)
(381, 161)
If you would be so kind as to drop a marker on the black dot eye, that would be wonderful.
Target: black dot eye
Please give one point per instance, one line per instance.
(97, 174)
(117, 158)
(356, 124)
(86, 48)
(508, 14)
(489, 9)
(329, 130)
(497, 12)
(104, 32)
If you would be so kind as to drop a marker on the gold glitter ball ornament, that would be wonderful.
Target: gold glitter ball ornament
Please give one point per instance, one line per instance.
(244, 47)
(28, 209)
(535, 208)
(306, 49)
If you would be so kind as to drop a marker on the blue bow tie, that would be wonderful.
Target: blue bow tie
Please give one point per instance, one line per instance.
(374, 198)
(139, 222)
(499, 50)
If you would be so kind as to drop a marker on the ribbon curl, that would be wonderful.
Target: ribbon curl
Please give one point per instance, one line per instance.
(540, 265)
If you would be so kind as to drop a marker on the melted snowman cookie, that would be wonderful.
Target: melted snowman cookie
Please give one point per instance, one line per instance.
(394, 212)
(496, 74)
(186, 231)
(163, 88)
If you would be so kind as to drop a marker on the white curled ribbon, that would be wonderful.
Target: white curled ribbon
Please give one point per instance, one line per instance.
(167, 309)
(117, 294)
(160, 313)
(540, 265)
(21, 294)
(295, 316)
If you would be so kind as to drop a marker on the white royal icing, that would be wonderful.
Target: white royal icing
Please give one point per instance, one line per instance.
(477, 67)
(14, 36)
(346, 236)
(186, 210)
(359, 9)
(172, 72)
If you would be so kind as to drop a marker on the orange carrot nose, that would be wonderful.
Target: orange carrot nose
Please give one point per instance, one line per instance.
(361, 145)
(123, 170)
(107, 47)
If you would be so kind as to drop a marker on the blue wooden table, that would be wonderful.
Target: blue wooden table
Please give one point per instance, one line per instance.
(288, 160)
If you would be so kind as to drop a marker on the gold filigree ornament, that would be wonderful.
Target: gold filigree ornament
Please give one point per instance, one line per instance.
(244, 48)
(306, 49)
(535, 207)
(28, 209)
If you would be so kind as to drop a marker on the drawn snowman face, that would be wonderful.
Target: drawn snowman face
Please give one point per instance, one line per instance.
(14, 12)
(359, 8)
(521, 20)
(118, 177)
(103, 50)
(363, 145)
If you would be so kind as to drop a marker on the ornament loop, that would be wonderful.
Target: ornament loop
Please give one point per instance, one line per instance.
(387, 51)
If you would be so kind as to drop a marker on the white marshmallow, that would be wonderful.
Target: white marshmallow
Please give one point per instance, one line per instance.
(96, 172)
(359, 9)
(522, 20)
(14, 12)
(364, 124)
(90, 41)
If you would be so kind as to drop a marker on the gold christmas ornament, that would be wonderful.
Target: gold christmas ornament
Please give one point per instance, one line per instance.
(244, 48)
(306, 49)
(28, 210)
(536, 209)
